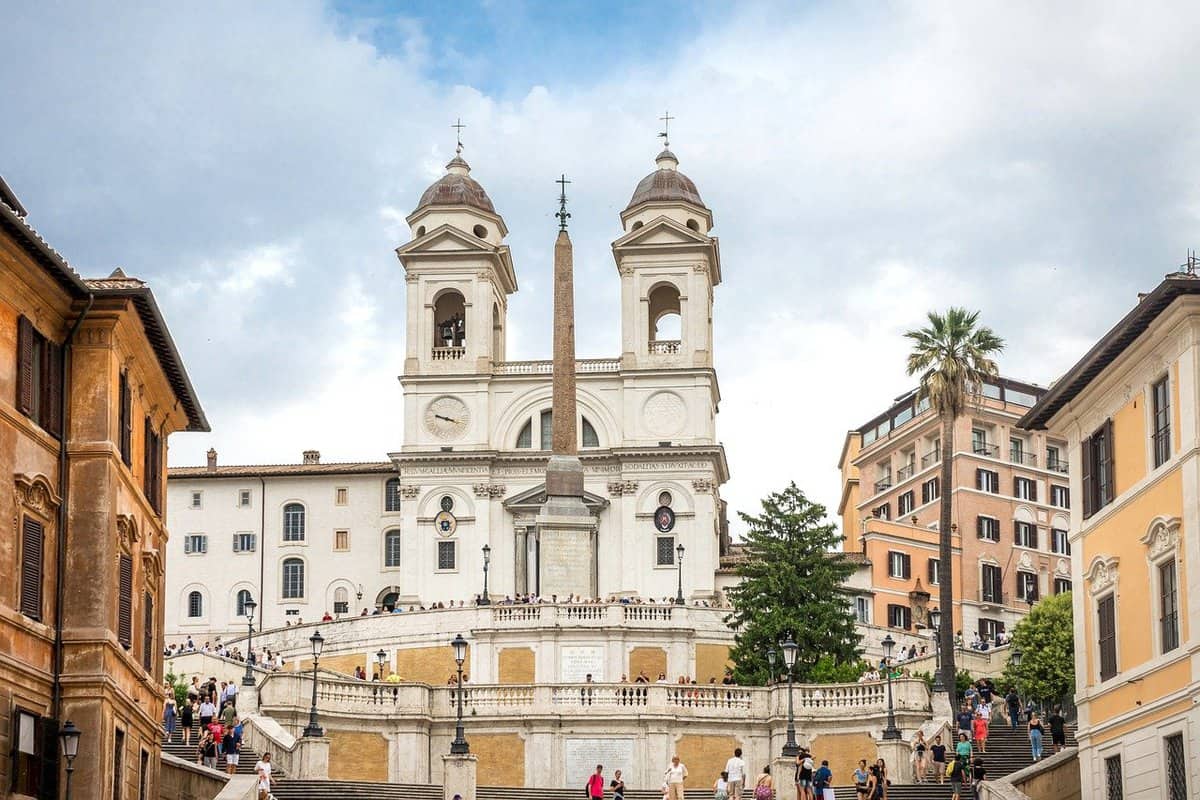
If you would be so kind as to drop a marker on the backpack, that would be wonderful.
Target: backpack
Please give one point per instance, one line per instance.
(762, 792)
(950, 768)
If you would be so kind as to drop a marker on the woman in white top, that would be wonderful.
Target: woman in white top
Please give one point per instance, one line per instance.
(676, 774)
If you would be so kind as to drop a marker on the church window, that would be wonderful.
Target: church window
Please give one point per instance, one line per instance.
(391, 549)
(665, 551)
(293, 522)
(195, 605)
(691, 223)
(341, 540)
(525, 437)
(341, 496)
(293, 579)
(341, 600)
(447, 555)
(590, 439)
(447, 503)
(421, 231)
(480, 231)
(449, 325)
(636, 225)
(665, 320)
(391, 495)
(664, 498)
(547, 423)
(243, 597)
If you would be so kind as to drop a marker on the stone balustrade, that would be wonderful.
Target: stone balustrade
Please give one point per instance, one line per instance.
(545, 367)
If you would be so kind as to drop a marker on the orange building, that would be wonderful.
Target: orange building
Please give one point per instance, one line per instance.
(1129, 410)
(1011, 512)
(90, 388)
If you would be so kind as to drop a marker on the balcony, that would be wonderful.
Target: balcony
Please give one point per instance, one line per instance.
(665, 347)
(905, 472)
(546, 367)
(985, 449)
(930, 458)
(883, 484)
(1057, 465)
(995, 599)
(448, 353)
(1021, 457)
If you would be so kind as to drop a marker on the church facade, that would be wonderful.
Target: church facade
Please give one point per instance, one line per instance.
(457, 503)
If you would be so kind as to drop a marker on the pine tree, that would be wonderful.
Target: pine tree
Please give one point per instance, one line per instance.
(791, 583)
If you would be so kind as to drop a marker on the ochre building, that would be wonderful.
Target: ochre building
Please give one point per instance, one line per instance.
(91, 386)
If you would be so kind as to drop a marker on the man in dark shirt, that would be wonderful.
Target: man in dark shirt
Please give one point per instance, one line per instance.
(1058, 729)
(977, 775)
(1014, 707)
(965, 718)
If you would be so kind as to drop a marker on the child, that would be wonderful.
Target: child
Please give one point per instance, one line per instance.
(721, 787)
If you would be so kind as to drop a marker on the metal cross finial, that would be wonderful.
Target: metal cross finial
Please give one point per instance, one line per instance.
(665, 135)
(563, 215)
(458, 126)
(1192, 263)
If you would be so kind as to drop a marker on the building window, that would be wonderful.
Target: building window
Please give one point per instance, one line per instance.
(1016, 450)
(987, 481)
(934, 572)
(148, 649)
(1097, 470)
(899, 617)
(243, 597)
(341, 541)
(1026, 534)
(1025, 489)
(588, 432)
(862, 609)
(341, 600)
(1161, 394)
(987, 528)
(196, 498)
(152, 465)
(293, 522)
(1168, 606)
(1059, 543)
(195, 543)
(979, 442)
(904, 505)
(446, 503)
(547, 430)
(1060, 496)
(1027, 586)
(664, 548)
(125, 423)
(991, 583)
(245, 542)
(989, 629)
(899, 565)
(1062, 585)
(391, 495)
(195, 605)
(525, 437)
(39, 378)
(293, 579)
(1176, 767)
(447, 551)
(144, 776)
(1114, 788)
(125, 600)
(1054, 460)
(33, 538)
(243, 498)
(882, 512)
(27, 765)
(1106, 613)
(341, 496)
(930, 490)
(391, 549)
(118, 780)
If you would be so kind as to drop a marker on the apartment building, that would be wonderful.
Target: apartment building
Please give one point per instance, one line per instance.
(90, 388)
(1011, 512)
(1129, 412)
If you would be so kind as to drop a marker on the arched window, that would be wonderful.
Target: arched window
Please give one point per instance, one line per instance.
(341, 600)
(293, 522)
(547, 421)
(195, 605)
(391, 549)
(449, 323)
(391, 495)
(525, 437)
(590, 439)
(293, 579)
(242, 597)
(665, 321)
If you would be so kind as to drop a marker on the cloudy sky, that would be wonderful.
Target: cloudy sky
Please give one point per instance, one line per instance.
(865, 162)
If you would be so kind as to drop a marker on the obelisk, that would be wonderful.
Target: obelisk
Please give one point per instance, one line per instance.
(565, 527)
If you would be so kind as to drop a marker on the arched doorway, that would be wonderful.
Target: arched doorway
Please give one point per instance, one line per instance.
(387, 599)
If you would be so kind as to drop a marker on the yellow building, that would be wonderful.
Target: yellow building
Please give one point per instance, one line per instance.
(1129, 409)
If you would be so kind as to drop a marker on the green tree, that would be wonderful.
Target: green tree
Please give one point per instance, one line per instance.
(1046, 639)
(953, 357)
(792, 584)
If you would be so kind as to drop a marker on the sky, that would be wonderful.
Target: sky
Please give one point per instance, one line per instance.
(865, 163)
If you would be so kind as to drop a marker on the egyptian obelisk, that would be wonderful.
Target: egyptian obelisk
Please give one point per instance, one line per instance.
(565, 528)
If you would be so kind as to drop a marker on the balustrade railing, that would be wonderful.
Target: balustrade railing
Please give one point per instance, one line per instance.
(905, 472)
(647, 613)
(667, 347)
(932, 457)
(508, 614)
(448, 353)
(546, 367)
(594, 612)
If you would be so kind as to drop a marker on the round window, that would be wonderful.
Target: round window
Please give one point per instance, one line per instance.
(447, 503)
(664, 499)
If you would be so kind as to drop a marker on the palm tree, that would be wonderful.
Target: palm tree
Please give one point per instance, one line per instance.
(953, 357)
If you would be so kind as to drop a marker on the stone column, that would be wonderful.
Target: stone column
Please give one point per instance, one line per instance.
(897, 754)
(311, 759)
(459, 776)
(783, 771)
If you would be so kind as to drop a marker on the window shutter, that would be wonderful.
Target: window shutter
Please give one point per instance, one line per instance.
(25, 336)
(1087, 459)
(126, 421)
(187, 544)
(1033, 536)
(1108, 638)
(1109, 483)
(978, 479)
(125, 603)
(933, 562)
(237, 543)
(147, 631)
(147, 458)
(31, 568)
(907, 566)
(1016, 532)
(979, 527)
(52, 370)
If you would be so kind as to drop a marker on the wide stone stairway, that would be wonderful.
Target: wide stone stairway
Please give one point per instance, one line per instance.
(175, 746)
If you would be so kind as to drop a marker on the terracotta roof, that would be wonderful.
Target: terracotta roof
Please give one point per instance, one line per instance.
(665, 185)
(1110, 346)
(457, 188)
(271, 470)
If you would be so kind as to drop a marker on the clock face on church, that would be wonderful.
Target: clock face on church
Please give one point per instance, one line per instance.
(447, 418)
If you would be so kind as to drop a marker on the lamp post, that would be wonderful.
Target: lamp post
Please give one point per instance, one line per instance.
(790, 648)
(358, 595)
(459, 746)
(771, 663)
(249, 606)
(484, 600)
(1015, 657)
(68, 740)
(313, 730)
(891, 732)
(935, 619)
(679, 562)
(381, 657)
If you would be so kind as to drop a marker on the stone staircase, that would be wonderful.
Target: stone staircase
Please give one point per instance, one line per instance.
(188, 752)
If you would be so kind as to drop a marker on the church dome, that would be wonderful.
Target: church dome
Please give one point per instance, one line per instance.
(457, 188)
(666, 184)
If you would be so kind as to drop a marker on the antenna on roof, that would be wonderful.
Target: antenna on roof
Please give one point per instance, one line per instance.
(665, 134)
(1193, 261)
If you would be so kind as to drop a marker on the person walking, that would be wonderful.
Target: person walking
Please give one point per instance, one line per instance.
(676, 774)
(263, 770)
(187, 719)
(823, 782)
(1013, 701)
(920, 764)
(229, 746)
(207, 712)
(618, 786)
(861, 776)
(962, 750)
(981, 731)
(938, 751)
(1058, 729)
(169, 718)
(736, 769)
(595, 783)
(721, 787)
(957, 774)
(764, 784)
(1036, 731)
(978, 773)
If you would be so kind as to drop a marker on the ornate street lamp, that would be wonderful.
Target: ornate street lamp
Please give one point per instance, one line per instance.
(484, 600)
(313, 730)
(935, 619)
(1015, 657)
(891, 732)
(679, 562)
(381, 657)
(248, 607)
(459, 746)
(790, 649)
(68, 740)
(358, 595)
(771, 663)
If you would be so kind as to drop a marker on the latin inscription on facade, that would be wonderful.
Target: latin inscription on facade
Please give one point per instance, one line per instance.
(582, 755)
(576, 663)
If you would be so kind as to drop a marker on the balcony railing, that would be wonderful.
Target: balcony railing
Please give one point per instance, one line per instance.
(883, 484)
(932, 457)
(985, 449)
(1021, 457)
(665, 347)
(989, 598)
(448, 353)
(905, 472)
(1058, 465)
(546, 367)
